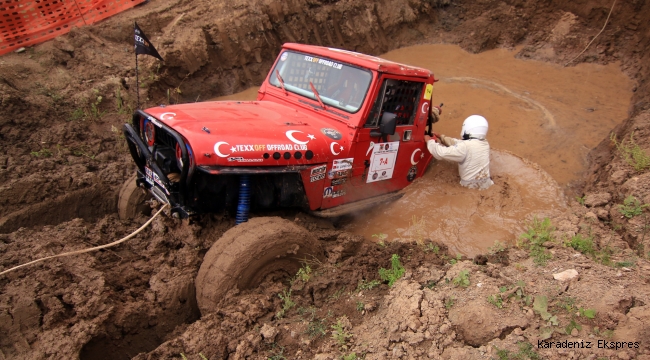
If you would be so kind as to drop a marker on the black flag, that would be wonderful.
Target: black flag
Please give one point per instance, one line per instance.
(142, 44)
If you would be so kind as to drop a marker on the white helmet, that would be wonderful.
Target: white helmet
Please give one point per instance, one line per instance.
(474, 127)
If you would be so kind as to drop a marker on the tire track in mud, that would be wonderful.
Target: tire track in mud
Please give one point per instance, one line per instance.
(500, 89)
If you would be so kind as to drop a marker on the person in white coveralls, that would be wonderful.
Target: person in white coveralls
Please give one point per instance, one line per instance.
(471, 151)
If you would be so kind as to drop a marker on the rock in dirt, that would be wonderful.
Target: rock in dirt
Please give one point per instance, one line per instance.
(597, 199)
(269, 333)
(618, 177)
(565, 275)
(635, 327)
(478, 322)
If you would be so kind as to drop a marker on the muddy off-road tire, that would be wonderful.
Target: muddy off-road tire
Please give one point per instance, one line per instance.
(131, 200)
(251, 252)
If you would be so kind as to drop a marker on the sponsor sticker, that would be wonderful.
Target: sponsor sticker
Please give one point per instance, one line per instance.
(285, 147)
(329, 192)
(339, 181)
(329, 63)
(382, 161)
(241, 159)
(412, 172)
(318, 177)
(152, 178)
(284, 56)
(343, 164)
(427, 92)
(319, 170)
(331, 133)
(337, 174)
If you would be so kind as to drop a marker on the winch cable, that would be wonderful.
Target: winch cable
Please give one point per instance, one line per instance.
(592, 40)
(77, 252)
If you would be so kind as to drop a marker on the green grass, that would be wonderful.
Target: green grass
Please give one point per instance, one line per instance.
(368, 285)
(572, 325)
(316, 328)
(496, 248)
(431, 247)
(632, 153)
(42, 153)
(304, 273)
(338, 293)
(583, 244)
(625, 264)
(287, 303)
(77, 114)
(457, 259)
(339, 334)
(567, 303)
(588, 313)
(462, 279)
(526, 352)
(394, 273)
(540, 306)
(496, 301)
(538, 233)
(360, 306)
(449, 302)
(631, 207)
(277, 354)
(604, 256)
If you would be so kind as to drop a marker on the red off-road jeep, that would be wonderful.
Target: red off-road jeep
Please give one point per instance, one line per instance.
(331, 131)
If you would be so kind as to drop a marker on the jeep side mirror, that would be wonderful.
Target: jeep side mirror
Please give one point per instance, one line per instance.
(387, 126)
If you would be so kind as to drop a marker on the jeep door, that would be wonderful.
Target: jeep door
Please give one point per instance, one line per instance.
(390, 163)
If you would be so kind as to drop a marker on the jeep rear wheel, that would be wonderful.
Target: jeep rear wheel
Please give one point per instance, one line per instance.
(251, 252)
(131, 201)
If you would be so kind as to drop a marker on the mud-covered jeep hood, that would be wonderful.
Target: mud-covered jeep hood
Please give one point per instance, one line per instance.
(237, 133)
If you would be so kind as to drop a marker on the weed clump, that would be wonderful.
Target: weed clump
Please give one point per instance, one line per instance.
(287, 303)
(339, 332)
(632, 153)
(631, 207)
(462, 279)
(539, 232)
(394, 273)
(368, 285)
(583, 244)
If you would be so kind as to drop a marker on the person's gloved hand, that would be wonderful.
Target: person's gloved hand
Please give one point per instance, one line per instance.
(446, 140)
(435, 113)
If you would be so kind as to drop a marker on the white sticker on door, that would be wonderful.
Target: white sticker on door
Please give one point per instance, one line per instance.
(382, 161)
(342, 164)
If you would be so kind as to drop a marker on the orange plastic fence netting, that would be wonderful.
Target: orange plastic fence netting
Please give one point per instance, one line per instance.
(29, 22)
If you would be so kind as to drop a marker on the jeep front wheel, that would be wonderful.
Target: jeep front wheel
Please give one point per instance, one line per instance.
(251, 252)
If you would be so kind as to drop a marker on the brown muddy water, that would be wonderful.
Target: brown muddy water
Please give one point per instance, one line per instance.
(544, 113)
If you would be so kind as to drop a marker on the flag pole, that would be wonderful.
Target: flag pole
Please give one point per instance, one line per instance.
(137, 80)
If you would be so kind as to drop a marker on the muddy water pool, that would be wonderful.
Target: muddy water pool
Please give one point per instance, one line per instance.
(538, 112)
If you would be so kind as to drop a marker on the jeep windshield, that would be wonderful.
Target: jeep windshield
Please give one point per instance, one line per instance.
(338, 85)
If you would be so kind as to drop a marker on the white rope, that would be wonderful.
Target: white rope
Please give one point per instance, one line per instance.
(90, 249)
(592, 40)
